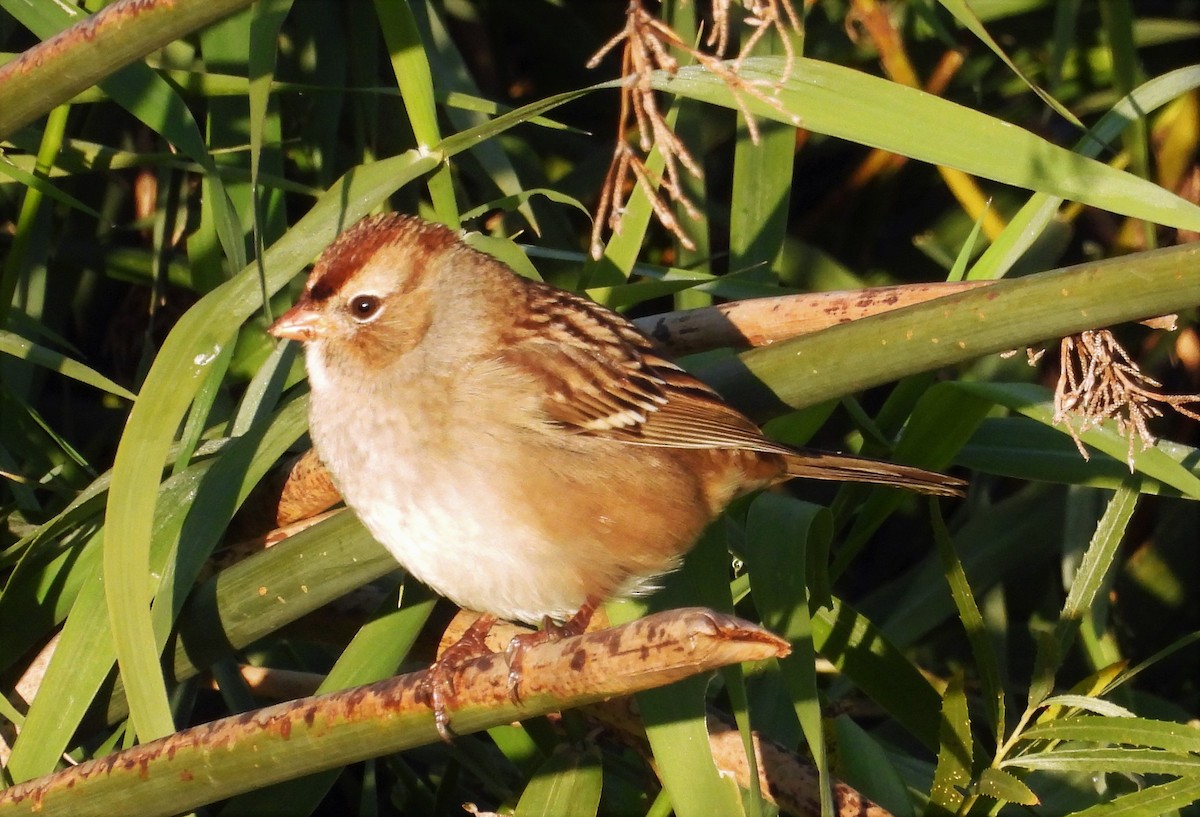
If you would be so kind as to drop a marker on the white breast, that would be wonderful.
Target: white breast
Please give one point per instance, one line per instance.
(444, 512)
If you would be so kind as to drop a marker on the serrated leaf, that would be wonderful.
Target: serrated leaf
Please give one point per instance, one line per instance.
(1120, 761)
(1097, 705)
(1174, 737)
(1150, 802)
(955, 749)
(1000, 785)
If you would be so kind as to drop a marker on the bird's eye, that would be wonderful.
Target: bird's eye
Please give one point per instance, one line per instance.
(364, 307)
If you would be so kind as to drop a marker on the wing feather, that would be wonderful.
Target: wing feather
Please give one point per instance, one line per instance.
(604, 378)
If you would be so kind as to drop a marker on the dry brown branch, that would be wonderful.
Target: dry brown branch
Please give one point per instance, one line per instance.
(1098, 380)
(763, 321)
(327, 731)
(278, 684)
(301, 490)
(24, 691)
(789, 781)
(785, 778)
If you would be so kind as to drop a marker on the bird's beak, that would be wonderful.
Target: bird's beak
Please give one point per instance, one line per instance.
(301, 322)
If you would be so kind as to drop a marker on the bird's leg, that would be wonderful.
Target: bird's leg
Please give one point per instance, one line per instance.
(437, 690)
(550, 632)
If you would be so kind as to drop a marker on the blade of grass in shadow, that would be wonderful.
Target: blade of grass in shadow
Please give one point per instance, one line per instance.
(1161, 462)
(986, 663)
(1026, 449)
(941, 422)
(23, 349)
(863, 763)
(675, 716)
(868, 659)
(1018, 531)
(779, 530)
(970, 21)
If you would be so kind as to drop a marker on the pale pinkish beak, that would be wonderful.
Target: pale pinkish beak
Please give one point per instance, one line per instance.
(300, 323)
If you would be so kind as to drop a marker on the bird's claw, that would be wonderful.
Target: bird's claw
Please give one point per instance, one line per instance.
(437, 689)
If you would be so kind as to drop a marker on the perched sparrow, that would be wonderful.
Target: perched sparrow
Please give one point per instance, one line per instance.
(523, 451)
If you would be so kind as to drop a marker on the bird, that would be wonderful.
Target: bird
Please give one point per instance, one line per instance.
(523, 451)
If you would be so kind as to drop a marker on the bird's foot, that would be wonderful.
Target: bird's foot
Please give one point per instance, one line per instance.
(550, 632)
(437, 690)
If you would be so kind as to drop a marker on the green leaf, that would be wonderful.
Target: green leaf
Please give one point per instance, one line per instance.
(864, 654)
(1118, 761)
(1039, 212)
(972, 621)
(863, 764)
(1000, 785)
(839, 101)
(1089, 704)
(1166, 735)
(1036, 403)
(779, 531)
(23, 349)
(1153, 801)
(1094, 574)
(955, 746)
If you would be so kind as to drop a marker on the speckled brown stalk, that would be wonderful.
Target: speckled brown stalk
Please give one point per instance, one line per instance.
(218, 760)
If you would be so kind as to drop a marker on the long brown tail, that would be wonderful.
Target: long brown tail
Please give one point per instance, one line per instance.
(848, 468)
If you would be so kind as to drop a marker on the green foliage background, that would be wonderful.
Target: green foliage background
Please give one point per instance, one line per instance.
(1030, 652)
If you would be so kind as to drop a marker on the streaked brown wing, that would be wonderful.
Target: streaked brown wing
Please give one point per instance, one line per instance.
(604, 378)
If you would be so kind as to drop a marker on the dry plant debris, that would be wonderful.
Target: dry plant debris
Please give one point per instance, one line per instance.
(648, 43)
(1098, 380)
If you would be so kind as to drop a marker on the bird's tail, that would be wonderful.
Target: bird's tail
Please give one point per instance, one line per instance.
(848, 468)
